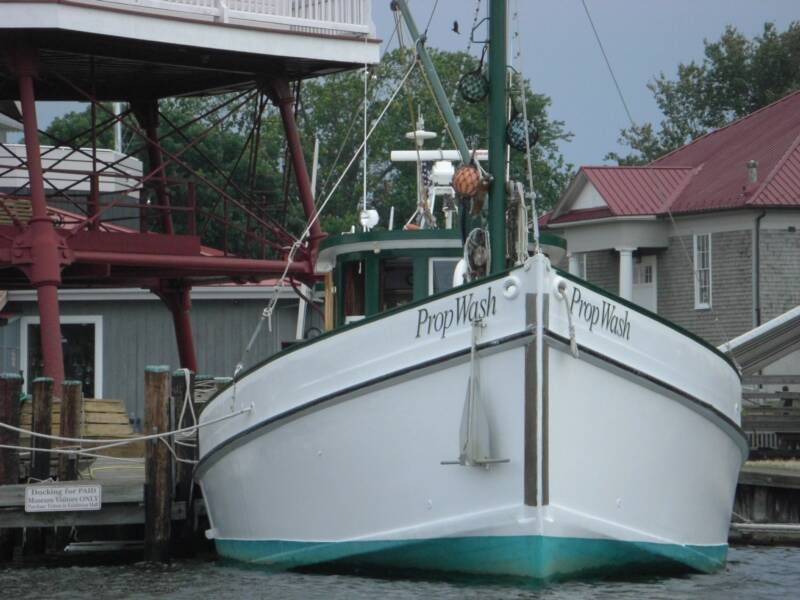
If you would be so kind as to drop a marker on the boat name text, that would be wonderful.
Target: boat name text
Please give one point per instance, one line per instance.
(604, 315)
(468, 308)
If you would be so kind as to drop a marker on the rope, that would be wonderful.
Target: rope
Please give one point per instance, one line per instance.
(266, 314)
(187, 401)
(110, 443)
(62, 451)
(573, 342)
(528, 160)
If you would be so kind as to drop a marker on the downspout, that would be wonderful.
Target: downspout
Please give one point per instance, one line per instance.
(757, 269)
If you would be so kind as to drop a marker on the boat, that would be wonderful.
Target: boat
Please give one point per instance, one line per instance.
(522, 423)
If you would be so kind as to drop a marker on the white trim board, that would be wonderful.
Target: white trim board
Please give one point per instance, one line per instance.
(95, 320)
(193, 34)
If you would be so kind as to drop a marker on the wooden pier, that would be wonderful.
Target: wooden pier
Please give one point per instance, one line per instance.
(132, 487)
(767, 506)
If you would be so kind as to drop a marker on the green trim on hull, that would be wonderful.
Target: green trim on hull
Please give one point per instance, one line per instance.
(537, 557)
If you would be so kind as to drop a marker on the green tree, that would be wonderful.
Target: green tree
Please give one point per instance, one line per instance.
(331, 109)
(736, 77)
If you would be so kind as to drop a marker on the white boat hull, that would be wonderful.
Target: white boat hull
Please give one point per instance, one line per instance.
(612, 464)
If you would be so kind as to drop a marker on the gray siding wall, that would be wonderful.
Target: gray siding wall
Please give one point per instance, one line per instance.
(602, 269)
(731, 312)
(140, 333)
(780, 272)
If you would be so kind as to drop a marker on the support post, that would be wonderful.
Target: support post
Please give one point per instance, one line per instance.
(70, 426)
(44, 246)
(178, 298)
(42, 422)
(146, 112)
(626, 272)
(285, 102)
(575, 264)
(186, 450)
(329, 302)
(10, 387)
(497, 138)
(158, 466)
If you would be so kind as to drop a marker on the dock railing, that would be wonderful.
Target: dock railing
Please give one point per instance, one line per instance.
(332, 17)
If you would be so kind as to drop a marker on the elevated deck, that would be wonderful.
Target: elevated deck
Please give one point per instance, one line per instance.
(182, 47)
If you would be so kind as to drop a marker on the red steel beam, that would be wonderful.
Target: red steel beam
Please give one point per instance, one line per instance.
(222, 265)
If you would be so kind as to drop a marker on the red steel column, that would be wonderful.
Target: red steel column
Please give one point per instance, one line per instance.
(179, 300)
(147, 114)
(45, 269)
(285, 100)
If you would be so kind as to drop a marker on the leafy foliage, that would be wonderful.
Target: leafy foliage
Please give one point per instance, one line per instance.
(736, 77)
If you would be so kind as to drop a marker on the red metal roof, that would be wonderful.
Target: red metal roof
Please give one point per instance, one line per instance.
(710, 173)
(638, 190)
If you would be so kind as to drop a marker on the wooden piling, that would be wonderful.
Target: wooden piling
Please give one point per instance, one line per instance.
(36, 539)
(158, 466)
(10, 388)
(186, 450)
(70, 426)
(42, 422)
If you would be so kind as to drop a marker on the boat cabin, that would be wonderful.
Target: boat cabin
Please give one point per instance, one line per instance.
(370, 272)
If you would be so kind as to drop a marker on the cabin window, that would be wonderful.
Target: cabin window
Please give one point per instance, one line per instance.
(82, 344)
(354, 297)
(440, 274)
(397, 282)
(702, 271)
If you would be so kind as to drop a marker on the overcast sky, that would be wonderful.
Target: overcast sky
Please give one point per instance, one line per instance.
(561, 58)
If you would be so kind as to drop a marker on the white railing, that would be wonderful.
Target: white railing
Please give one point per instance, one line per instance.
(318, 16)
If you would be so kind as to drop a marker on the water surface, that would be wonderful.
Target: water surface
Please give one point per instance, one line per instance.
(752, 572)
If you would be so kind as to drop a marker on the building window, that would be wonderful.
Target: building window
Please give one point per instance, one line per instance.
(582, 266)
(82, 345)
(702, 270)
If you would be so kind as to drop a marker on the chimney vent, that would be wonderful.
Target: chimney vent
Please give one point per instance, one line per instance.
(752, 171)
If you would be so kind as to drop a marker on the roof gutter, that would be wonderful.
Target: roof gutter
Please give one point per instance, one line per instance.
(623, 219)
(757, 269)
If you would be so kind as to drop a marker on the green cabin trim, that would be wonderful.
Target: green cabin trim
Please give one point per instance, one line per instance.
(420, 261)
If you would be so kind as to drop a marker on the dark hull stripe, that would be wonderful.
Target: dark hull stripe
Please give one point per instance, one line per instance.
(214, 454)
(660, 383)
(356, 388)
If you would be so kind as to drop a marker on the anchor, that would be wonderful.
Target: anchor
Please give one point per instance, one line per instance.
(474, 436)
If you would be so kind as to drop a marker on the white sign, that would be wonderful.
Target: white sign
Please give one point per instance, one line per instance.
(63, 497)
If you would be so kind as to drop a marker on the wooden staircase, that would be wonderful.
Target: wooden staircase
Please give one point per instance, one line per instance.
(100, 419)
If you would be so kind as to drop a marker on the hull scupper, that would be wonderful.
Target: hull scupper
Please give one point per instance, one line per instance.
(617, 440)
